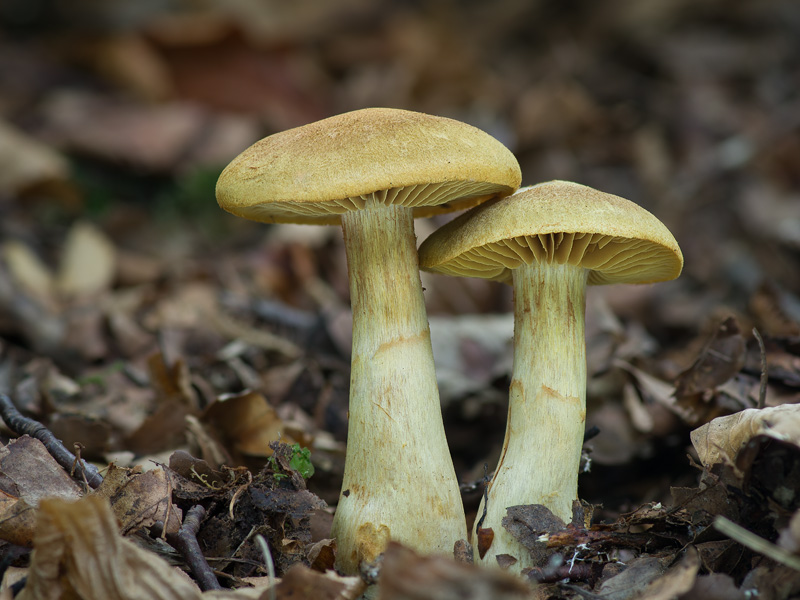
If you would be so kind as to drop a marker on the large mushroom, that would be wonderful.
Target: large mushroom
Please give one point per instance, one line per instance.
(549, 241)
(373, 170)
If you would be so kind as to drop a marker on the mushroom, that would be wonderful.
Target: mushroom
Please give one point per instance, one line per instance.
(373, 170)
(549, 240)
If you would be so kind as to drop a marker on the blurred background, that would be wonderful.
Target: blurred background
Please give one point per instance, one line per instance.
(117, 117)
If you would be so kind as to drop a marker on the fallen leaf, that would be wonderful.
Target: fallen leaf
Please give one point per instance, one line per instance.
(301, 582)
(28, 270)
(635, 577)
(140, 499)
(721, 358)
(724, 436)
(17, 521)
(27, 162)
(79, 553)
(87, 262)
(678, 579)
(29, 472)
(405, 575)
(245, 422)
(322, 555)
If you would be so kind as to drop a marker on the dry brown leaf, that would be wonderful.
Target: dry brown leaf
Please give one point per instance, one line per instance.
(638, 573)
(17, 521)
(322, 555)
(149, 137)
(721, 358)
(165, 428)
(679, 579)
(87, 262)
(29, 472)
(79, 553)
(723, 437)
(140, 499)
(407, 576)
(302, 582)
(246, 423)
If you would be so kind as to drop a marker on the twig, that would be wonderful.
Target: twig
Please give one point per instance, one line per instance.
(762, 390)
(22, 425)
(756, 543)
(262, 543)
(185, 542)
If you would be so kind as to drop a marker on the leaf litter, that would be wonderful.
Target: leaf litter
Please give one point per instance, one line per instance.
(197, 360)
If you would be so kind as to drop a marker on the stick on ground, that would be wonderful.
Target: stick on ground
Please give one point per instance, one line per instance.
(185, 542)
(22, 425)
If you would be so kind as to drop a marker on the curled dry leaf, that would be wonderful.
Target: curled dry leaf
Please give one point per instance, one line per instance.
(79, 553)
(723, 437)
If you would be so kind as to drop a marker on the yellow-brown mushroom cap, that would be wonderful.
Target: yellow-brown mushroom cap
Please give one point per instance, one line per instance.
(557, 222)
(314, 173)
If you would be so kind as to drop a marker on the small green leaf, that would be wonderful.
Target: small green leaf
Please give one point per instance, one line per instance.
(301, 461)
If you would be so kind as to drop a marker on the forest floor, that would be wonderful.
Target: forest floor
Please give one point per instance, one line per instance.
(189, 356)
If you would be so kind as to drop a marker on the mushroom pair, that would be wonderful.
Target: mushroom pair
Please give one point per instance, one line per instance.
(373, 171)
(550, 241)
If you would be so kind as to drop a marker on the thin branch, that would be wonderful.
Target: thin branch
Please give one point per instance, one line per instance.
(185, 542)
(22, 425)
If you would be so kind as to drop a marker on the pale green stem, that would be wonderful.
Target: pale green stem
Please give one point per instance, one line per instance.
(399, 481)
(547, 402)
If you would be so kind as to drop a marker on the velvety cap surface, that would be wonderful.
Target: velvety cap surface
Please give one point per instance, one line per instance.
(314, 173)
(559, 222)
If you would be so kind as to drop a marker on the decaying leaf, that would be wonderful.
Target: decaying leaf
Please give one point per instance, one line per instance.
(721, 358)
(245, 422)
(79, 553)
(633, 579)
(678, 579)
(29, 472)
(140, 499)
(723, 437)
(302, 582)
(17, 521)
(407, 576)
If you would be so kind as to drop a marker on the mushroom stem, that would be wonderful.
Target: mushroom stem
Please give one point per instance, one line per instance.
(399, 482)
(547, 402)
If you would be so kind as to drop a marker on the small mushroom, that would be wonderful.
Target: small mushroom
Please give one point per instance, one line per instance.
(373, 170)
(549, 241)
